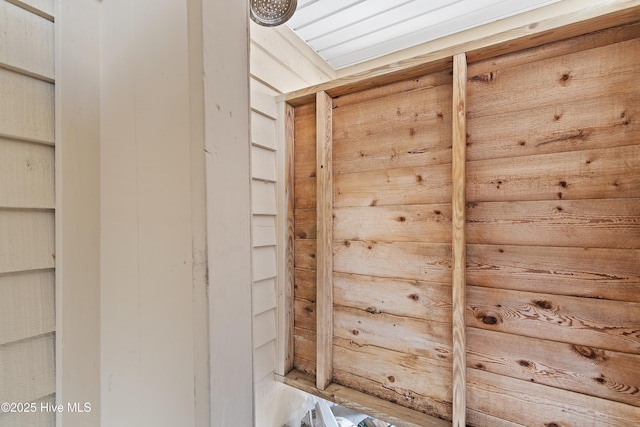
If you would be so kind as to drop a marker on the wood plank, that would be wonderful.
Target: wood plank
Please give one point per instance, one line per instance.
(592, 371)
(522, 402)
(305, 193)
(418, 123)
(408, 298)
(607, 223)
(410, 223)
(615, 33)
(413, 381)
(605, 173)
(404, 260)
(305, 161)
(602, 122)
(583, 272)
(305, 254)
(305, 124)
(609, 325)
(306, 344)
(404, 186)
(286, 317)
(27, 174)
(458, 247)
(27, 305)
(429, 339)
(27, 44)
(305, 284)
(306, 224)
(27, 240)
(26, 107)
(324, 301)
(365, 403)
(581, 75)
(438, 78)
(305, 314)
(27, 369)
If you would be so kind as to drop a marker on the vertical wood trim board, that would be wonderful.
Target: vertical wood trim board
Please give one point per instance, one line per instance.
(290, 204)
(459, 241)
(324, 185)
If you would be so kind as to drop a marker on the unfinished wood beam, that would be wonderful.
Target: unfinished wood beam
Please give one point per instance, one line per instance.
(459, 241)
(324, 252)
(286, 267)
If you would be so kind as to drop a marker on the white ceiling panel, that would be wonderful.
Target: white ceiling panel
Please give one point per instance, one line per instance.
(347, 32)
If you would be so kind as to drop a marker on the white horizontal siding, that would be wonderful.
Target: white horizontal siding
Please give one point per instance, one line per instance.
(27, 369)
(27, 305)
(264, 295)
(27, 41)
(26, 240)
(264, 230)
(263, 164)
(26, 174)
(26, 107)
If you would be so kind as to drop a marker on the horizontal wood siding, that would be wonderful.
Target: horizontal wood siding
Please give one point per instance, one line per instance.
(27, 202)
(305, 224)
(553, 233)
(392, 243)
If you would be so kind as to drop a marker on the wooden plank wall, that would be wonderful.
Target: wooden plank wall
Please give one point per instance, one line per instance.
(553, 232)
(27, 202)
(391, 236)
(552, 207)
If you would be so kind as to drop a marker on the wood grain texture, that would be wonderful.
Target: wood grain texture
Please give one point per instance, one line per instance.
(406, 335)
(324, 301)
(27, 305)
(591, 223)
(417, 122)
(408, 223)
(287, 306)
(610, 325)
(592, 371)
(583, 272)
(406, 260)
(416, 299)
(27, 172)
(590, 174)
(458, 247)
(403, 186)
(27, 240)
(412, 381)
(528, 403)
(602, 122)
(366, 403)
(602, 71)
